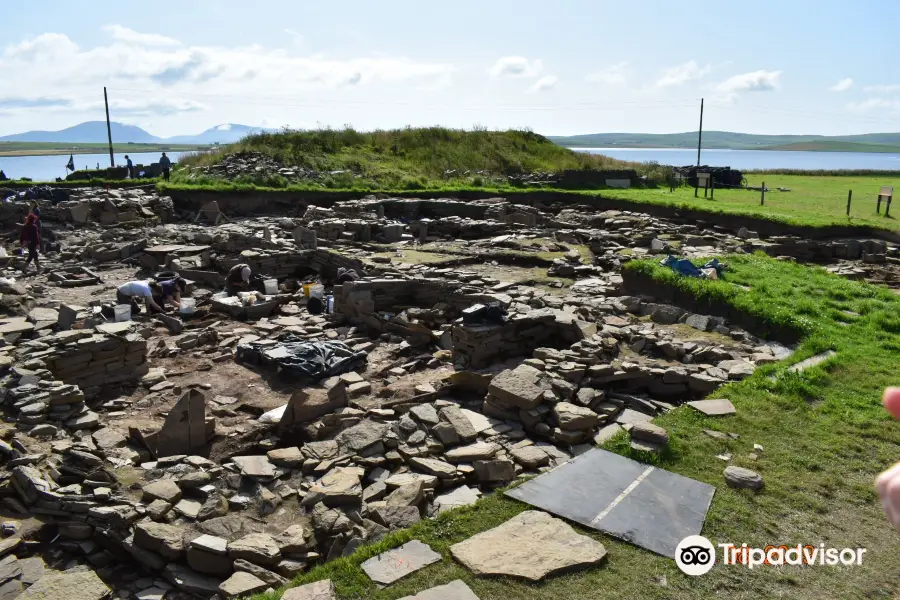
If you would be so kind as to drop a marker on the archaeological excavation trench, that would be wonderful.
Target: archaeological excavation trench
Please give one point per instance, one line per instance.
(473, 343)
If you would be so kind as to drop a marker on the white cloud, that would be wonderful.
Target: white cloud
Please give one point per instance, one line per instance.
(146, 74)
(875, 104)
(296, 36)
(614, 75)
(842, 86)
(681, 74)
(130, 36)
(516, 66)
(883, 89)
(543, 84)
(755, 81)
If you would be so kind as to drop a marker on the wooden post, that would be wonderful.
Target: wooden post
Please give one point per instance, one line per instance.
(849, 199)
(700, 132)
(112, 161)
(695, 188)
(887, 207)
(712, 189)
(762, 196)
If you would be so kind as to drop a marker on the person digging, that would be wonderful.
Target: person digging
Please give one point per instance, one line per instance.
(238, 279)
(171, 292)
(132, 292)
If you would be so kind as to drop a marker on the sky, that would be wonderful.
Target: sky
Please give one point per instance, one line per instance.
(562, 68)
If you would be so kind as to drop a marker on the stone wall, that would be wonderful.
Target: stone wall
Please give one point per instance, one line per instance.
(282, 265)
(90, 360)
(478, 346)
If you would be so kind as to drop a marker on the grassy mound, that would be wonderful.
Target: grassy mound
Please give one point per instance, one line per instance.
(410, 158)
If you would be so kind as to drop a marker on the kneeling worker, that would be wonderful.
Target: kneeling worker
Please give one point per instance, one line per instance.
(171, 292)
(238, 279)
(132, 292)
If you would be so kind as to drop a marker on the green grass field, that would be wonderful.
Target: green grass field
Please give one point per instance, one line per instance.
(825, 438)
(813, 200)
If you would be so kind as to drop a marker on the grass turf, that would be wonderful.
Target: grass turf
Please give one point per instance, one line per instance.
(825, 438)
(813, 199)
(410, 158)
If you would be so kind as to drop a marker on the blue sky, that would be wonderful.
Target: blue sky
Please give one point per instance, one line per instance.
(574, 66)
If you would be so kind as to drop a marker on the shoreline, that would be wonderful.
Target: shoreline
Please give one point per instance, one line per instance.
(704, 149)
(104, 150)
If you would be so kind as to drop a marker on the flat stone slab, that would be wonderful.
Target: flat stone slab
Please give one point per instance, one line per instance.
(461, 496)
(607, 433)
(532, 545)
(211, 543)
(390, 566)
(241, 584)
(645, 505)
(455, 590)
(713, 408)
(629, 416)
(812, 361)
(255, 466)
(318, 590)
(83, 585)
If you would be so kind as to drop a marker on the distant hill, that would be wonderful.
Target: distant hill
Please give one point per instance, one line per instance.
(869, 142)
(95, 132)
(85, 133)
(227, 133)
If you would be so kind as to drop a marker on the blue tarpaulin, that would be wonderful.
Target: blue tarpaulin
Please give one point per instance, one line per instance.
(683, 266)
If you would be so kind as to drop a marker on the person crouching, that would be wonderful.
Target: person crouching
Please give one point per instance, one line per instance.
(134, 291)
(171, 292)
(238, 279)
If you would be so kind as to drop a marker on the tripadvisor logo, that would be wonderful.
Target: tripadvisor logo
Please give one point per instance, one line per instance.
(696, 555)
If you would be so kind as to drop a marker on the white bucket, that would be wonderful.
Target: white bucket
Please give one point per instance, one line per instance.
(271, 286)
(314, 290)
(122, 312)
(187, 306)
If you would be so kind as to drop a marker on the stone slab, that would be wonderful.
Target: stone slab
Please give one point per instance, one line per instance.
(532, 545)
(812, 361)
(390, 566)
(645, 505)
(461, 496)
(318, 590)
(713, 408)
(455, 590)
(629, 416)
(81, 585)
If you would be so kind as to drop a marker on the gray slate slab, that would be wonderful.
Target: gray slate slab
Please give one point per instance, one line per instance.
(647, 506)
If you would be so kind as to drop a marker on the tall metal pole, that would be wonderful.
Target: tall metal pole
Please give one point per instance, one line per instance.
(700, 132)
(112, 162)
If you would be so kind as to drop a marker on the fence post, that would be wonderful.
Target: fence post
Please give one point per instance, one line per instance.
(878, 206)
(762, 194)
(849, 199)
(712, 190)
(887, 207)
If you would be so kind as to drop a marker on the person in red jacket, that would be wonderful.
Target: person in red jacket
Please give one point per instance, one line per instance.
(31, 237)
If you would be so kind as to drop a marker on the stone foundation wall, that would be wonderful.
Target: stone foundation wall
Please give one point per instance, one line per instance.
(478, 346)
(90, 360)
(286, 264)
